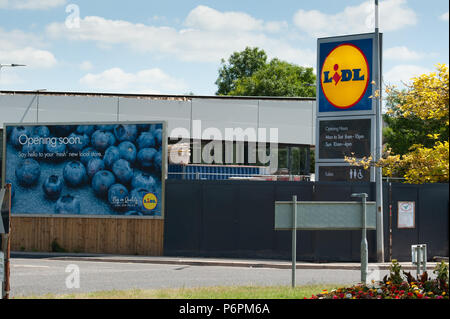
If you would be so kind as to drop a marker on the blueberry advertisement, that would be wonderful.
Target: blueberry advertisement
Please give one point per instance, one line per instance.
(86, 169)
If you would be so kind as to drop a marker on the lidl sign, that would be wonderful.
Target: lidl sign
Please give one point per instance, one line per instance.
(346, 72)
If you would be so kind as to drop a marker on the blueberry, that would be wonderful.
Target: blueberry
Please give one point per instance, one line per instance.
(105, 127)
(158, 137)
(94, 165)
(53, 186)
(55, 148)
(68, 204)
(74, 173)
(89, 153)
(143, 180)
(112, 154)
(29, 148)
(127, 151)
(118, 197)
(157, 161)
(145, 140)
(41, 131)
(9, 130)
(28, 172)
(101, 140)
(143, 127)
(123, 171)
(146, 157)
(154, 127)
(77, 142)
(62, 130)
(19, 135)
(85, 129)
(127, 132)
(101, 182)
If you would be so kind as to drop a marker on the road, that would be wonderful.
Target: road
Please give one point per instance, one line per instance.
(41, 276)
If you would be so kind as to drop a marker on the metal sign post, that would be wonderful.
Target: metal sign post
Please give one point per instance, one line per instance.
(294, 238)
(295, 216)
(364, 248)
(5, 217)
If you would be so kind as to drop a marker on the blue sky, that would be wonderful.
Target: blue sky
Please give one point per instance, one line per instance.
(175, 47)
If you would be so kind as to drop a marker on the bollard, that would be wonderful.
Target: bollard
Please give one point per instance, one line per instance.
(419, 258)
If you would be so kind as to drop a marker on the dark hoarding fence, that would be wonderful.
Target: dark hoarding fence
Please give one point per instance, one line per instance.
(236, 219)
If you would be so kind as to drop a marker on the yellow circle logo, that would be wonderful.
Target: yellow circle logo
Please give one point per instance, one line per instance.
(150, 201)
(345, 76)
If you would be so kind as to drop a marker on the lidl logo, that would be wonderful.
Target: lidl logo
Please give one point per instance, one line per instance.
(345, 76)
(150, 201)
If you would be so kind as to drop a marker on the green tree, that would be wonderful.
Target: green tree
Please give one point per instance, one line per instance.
(402, 132)
(277, 78)
(423, 102)
(239, 65)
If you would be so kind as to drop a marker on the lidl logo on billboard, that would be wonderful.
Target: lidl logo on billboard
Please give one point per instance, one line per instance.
(150, 201)
(345, 75)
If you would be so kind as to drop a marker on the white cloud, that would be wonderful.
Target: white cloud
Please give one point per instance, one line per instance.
(394, 15)
(20, 47)
(404, 73)
(401, 53)
(150, 81)
(9, 78)
(31, 4)
(208, 19)
(444, 17)
(208, 36)
(86, 65)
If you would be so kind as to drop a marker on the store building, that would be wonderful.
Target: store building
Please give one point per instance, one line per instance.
(294, 119)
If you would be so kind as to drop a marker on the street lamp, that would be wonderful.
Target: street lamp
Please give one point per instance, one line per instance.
(12, 65)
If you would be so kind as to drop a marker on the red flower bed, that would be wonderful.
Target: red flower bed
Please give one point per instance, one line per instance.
(396, 286)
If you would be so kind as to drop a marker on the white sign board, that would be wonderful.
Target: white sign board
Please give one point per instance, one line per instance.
(406, 215)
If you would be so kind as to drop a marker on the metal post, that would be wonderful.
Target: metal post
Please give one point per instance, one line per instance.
(419, 260)
(378, 170)
(424, 255)
(294, 238)
(364, 249)
(364, 252)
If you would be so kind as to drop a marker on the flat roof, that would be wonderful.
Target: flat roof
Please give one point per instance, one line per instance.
(161, 96)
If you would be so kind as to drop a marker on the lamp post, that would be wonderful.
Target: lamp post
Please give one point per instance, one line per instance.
(13, 65)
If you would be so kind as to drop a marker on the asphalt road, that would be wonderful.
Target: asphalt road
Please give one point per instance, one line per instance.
(41, 276)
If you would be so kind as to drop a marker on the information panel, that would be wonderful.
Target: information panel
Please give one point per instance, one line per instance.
(340, 138)
(406, 215)
(114, 169)
(343, 174)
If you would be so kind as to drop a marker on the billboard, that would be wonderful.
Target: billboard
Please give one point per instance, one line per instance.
(73, 169)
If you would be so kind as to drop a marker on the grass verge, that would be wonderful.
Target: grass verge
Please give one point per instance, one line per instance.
(235, 292)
